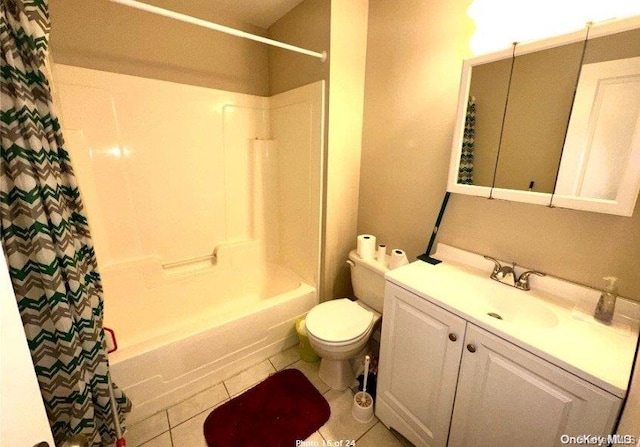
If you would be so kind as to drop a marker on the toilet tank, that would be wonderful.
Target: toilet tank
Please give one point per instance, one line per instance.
(367, 278)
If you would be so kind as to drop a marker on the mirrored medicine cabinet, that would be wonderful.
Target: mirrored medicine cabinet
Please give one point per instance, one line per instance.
(554, 122)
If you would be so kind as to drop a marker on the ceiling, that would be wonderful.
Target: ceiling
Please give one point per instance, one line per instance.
(262, 13)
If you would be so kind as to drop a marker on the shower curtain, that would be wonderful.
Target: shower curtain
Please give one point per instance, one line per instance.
(465, 171)
(46, 239)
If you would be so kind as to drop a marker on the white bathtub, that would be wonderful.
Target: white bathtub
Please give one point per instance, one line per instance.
(184, 243)
(184, 336)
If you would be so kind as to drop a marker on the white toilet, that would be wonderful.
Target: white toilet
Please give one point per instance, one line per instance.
(339, 329)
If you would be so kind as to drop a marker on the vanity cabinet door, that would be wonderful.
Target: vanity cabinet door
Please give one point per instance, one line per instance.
(419, 359)
(508, 397)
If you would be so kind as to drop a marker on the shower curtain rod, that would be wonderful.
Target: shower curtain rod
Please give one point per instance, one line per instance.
(216, 27)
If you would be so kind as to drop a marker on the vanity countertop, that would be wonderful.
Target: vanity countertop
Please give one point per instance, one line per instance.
(553, 320)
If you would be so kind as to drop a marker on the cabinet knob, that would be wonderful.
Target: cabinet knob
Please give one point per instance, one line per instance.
(471, 347)
(453, 337)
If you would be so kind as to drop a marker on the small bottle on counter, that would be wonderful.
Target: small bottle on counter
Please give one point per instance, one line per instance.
(607, 302)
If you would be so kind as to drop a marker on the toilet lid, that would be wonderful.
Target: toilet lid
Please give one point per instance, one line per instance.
(338, 320)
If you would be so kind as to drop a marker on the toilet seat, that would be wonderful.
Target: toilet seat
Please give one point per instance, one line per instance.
(338, 322)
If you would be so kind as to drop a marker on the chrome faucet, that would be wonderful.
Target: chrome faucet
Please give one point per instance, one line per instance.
(503, 273)
(523, 281)
(507, 275)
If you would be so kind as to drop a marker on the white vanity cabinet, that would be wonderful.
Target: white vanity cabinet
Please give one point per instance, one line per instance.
(419, 360)
(508, 397)
(504, 395)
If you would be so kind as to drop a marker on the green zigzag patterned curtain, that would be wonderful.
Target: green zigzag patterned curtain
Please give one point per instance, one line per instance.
(46, 238)
(465, 171)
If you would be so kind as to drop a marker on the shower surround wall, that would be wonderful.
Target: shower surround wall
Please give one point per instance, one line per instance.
(205, 209)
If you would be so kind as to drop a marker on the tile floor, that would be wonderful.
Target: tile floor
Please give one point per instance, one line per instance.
(181, 425)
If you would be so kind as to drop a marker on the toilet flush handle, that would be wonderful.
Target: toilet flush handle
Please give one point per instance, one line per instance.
(351, 263)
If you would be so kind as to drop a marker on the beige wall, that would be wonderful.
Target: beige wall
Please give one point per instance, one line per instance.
(308, 26)
(346, 97)
(414, 61)
(104, 36)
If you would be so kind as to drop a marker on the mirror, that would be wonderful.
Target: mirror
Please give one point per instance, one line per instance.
(535, 123)
(483, 121)
(601, 159)
(569, 134)
(481, 105)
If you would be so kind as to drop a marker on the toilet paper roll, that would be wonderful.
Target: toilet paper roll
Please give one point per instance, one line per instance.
(366, 248)
(381, 254)
(398, 259)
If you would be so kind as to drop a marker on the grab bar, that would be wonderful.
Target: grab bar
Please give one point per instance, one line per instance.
(171, 265)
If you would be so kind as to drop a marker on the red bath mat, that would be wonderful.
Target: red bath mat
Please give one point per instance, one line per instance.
(278, 412)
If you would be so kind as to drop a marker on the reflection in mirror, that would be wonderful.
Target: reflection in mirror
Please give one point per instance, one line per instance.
(483, 120)
(603, 138)
(540, 98)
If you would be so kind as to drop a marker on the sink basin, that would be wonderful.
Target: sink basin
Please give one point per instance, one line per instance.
(521, 312)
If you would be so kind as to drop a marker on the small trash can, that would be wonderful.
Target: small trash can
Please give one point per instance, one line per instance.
(304, 347)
